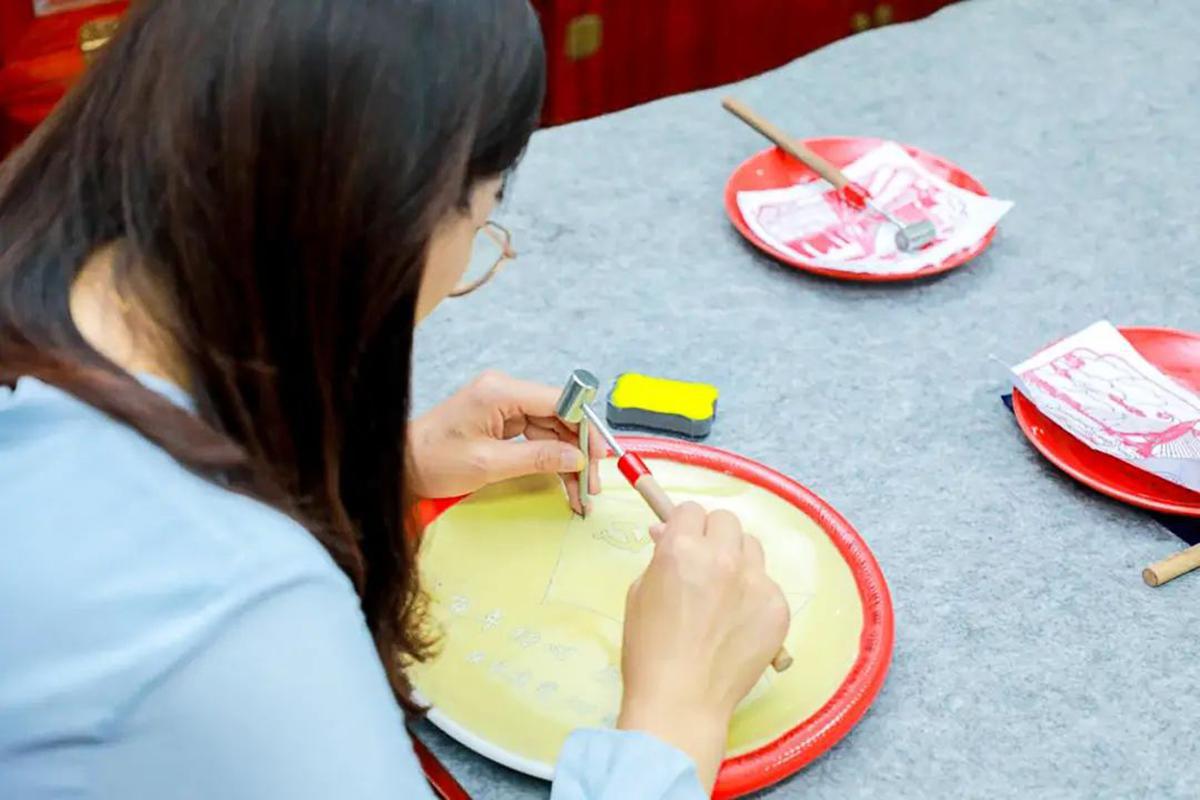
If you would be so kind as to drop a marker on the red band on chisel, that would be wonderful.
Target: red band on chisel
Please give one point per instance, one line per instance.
(632, 467)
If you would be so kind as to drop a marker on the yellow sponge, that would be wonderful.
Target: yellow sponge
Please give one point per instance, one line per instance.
(642, 401)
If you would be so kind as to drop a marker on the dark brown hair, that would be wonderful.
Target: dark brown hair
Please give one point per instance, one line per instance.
(271, 172)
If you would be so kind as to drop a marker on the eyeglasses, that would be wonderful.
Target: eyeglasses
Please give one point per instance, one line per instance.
(492, 248)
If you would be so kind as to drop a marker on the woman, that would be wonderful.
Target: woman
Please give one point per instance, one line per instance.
(212, 258)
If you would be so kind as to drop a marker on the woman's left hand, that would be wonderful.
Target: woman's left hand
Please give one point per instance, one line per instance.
(467, 442)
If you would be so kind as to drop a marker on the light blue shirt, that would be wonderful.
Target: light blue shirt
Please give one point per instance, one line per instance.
(163, 638)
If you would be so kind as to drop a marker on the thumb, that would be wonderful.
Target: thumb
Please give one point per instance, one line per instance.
(513, 459)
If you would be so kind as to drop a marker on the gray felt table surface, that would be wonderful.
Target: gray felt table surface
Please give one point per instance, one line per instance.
(1030, 659)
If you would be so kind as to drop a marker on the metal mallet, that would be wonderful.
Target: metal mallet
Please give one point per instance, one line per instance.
(573, 407)
(910, 237)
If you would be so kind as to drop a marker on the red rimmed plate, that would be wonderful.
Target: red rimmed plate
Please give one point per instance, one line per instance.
(1174, 352)
(774, 169)
(807, 738)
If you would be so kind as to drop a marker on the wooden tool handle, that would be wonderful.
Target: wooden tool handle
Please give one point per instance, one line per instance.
(792, 147)
(662, 506)
(1172, 567)
(654, 496)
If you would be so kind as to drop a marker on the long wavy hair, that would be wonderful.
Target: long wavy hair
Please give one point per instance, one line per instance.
(269, 174)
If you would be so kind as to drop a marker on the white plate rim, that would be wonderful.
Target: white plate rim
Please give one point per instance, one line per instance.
(485, 747)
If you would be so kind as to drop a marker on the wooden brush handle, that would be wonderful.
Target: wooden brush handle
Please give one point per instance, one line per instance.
(662, 506)
(1172, 567)
(793, 147)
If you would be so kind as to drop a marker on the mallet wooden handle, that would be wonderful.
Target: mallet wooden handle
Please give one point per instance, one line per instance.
(638, 475)
(789, 145)
(1172, 567)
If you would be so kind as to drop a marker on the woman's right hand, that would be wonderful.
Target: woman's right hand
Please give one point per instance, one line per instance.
(701, 625)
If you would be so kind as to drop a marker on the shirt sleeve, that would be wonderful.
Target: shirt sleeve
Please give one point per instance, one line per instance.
(615, 765)
(287, 700)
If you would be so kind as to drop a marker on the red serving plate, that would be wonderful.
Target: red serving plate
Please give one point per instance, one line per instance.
(812, 737)
(1174, 352)
(774, 169)
(440, 780)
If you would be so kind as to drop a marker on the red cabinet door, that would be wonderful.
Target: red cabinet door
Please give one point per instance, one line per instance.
(602, 55)
(609, 54)
(875, 13)
(39, 59)
(754, 36)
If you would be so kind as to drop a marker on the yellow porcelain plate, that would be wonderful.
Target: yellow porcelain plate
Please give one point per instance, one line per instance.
(530, 599)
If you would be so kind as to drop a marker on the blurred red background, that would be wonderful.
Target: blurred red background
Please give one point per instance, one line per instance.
(603, 55)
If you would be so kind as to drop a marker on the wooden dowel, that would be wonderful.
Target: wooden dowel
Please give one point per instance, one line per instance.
(789, 145)
(1172, 567)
